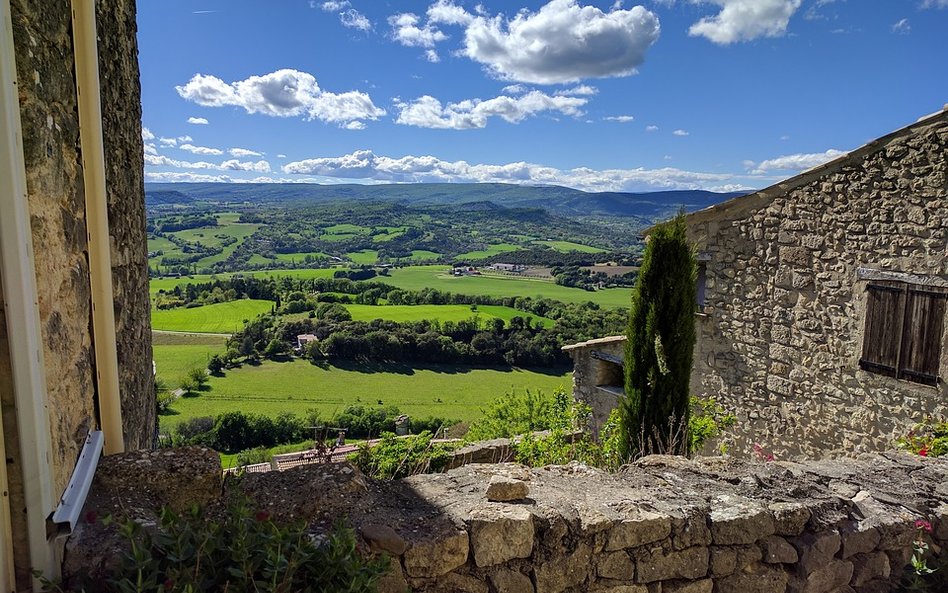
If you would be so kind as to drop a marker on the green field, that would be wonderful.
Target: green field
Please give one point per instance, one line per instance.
(421, 254)
(418, 277)
(296, 257)
(220, 318)
(406, 313)
(172, 362)
(270, 388)
(168, 284)
(568, 246)
(366, 256)
(491, 250)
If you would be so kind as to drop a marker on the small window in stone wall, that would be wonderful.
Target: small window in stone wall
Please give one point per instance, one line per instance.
(904, 327)
(700, 285)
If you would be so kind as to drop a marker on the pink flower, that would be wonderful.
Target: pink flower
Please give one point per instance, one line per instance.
(923, 525)
(923, 451)
(262, 516)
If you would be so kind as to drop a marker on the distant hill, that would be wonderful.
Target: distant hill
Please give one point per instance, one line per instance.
(562, 201)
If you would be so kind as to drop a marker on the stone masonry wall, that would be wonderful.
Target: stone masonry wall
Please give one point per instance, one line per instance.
(782, 337)
(591, 373)
(661, 525)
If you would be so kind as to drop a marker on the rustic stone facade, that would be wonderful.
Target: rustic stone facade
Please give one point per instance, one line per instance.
(663, 524)
(598, 378)
(786, 268)
(48, 111)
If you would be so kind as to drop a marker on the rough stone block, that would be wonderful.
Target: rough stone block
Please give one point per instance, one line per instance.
(505, 489)
(762, 579)
(736, 520)
(795, 256)
(611, 587)
(702, 586)
(437, 556)
(868, 567)
(462, 583)
(655, 565)
(615, 565)
(642, 527)
(561, 573)
(723, 561)
(382, 538)
(511, 581)
(789, 517)
(393, 581)
(816, 550)
(858, 538)
(777, 550)
(500, 532)
(828, 577)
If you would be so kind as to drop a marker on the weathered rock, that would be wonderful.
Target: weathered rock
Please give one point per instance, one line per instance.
(511, 581)
(500, 532)
(777, 550)
(561, 573)
(462, 583)
(868, 567)
(702, 586)
(858, 538)
(639, 528)
(382, 538)
(438, 556)
(615, 565)
(816, 550)
(828, 577)
(723, 561)
(394, 580)
(505, 489)
(789, 517)
(607, 587)
(762, 579)
(735, 520)
(655, 565)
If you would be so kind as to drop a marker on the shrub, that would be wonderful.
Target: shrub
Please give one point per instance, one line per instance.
(515, 414)
(243, 551)
(394, 457)
(254, 456)
(928, 438)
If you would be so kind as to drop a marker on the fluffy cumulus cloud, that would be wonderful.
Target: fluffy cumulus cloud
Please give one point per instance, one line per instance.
(284, 93)
(580, 90)
(744, 20)
(203, 150)
(198, 121)
(243, 152)
(651, 128)
(448, 13)
(429, 112)
(366, 165)
(622, 119)
(902, 27)
(406, 30)
(147, 134)
(680, 133)
(934, 4)
(355, 20)
(156, 160)
(793, 162)
(562, 42)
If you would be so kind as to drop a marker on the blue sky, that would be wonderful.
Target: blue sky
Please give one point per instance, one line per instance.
(596, 95)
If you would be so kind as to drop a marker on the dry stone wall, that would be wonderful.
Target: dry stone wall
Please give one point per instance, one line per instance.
(662, 525)
(782, 335)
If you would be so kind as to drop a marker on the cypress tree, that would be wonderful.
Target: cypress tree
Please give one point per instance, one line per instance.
(661, 334)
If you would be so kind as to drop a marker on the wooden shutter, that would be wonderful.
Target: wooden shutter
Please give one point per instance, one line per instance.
(884, 319)
(921, 338)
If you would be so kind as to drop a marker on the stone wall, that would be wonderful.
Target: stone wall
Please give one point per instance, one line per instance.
(661, 525)
(598, 378)
(781, 337)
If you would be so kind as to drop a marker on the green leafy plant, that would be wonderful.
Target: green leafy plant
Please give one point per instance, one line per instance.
(243, 551)
(928, 438)
(397, 457)
(517, 413)
(706, 422)
(661, 331)
(919, 577)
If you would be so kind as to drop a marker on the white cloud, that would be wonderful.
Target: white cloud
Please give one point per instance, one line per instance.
(365, 165)
(185, 177)
(562, 42)
(428, 112)
(515, 89)
(432, 56)
(334, 5)
(146, 134)
(794, 162)
(622, 119)
(581, 90)
(235, 165)
(651, 128)
(406, 31)
(934, 4)
(902, 27)
(281, 156)
(354, 125)
(198, 121)
(448, 13)
(243, 152)
(185, 139)
(284, 93)
(355, 20)
(744, 20)
(204, 150)
(680, 133)
(168, 141)
(150, 148)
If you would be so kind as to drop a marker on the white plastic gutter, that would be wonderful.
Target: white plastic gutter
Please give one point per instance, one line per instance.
(18, 279)
(97, 223)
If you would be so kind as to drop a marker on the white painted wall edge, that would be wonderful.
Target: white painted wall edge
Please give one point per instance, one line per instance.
(18, 276)
(97, 223)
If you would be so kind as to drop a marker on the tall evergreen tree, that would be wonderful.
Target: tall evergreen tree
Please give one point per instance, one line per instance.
(661, 334)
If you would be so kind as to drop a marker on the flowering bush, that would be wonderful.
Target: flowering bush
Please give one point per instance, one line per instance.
(928, 438)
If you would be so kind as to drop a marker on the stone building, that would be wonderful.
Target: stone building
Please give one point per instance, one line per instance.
(598, 378)
(822, 320)
(75, 346)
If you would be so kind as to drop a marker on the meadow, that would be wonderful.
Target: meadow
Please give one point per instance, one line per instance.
(219, 318)
(568, 246)
(173, 361)
(455, 313)
(297, 385)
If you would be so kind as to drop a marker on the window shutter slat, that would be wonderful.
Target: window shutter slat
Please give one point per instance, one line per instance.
(882, 338)
(921, 338)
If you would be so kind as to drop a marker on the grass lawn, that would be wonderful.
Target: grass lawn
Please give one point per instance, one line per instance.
(491, 250)
(456, 393)
(174, 361)
(421, 254)
(220, 318)
(366, 256)
(403, 313)
(418, 277)
(567, 246)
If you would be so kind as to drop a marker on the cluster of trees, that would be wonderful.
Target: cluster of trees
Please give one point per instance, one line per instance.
(233, 432)
(171, 224)
(584, 278)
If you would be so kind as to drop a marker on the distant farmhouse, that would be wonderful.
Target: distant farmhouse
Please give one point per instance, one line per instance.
(822, 302)
(515, 268)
